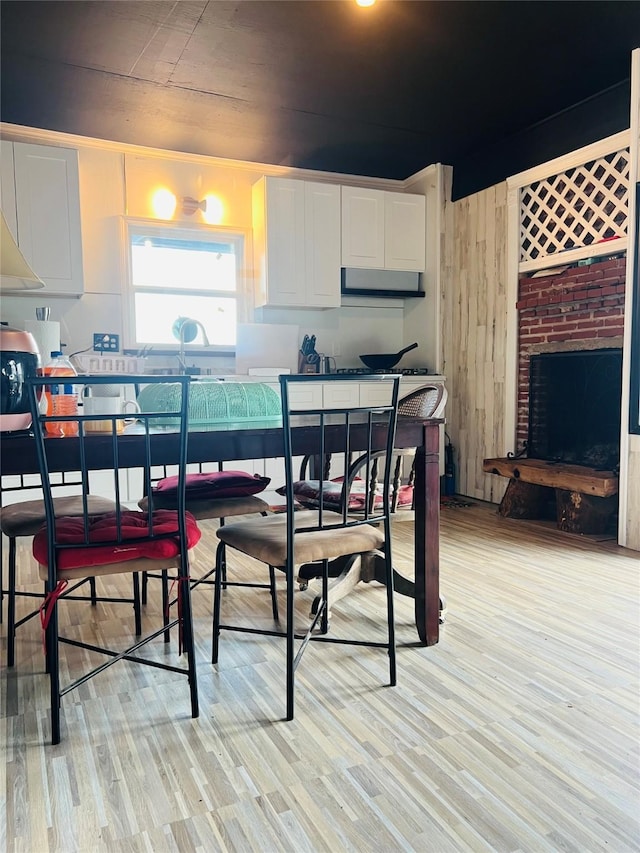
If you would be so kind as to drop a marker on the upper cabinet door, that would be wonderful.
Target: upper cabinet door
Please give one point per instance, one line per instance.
(47, 199)
(8, 187)
(296, 241)
(285, 241)
(405, 234)
(363, 217)
(322, 244)
(383, 230)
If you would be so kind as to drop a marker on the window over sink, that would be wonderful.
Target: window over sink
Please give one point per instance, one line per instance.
(182, 272)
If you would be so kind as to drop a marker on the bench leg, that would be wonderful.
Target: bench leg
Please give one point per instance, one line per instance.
(527, 500)
(580, 513)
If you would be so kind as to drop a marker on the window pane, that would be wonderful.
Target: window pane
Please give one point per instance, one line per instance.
(182, 264)
(157, 312)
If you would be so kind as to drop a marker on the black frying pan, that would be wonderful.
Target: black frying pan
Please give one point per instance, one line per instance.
(384, 361)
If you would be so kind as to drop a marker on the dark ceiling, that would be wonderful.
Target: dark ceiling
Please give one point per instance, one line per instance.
(490, 88)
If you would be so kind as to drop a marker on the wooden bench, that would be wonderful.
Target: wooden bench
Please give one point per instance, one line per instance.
(582, 499)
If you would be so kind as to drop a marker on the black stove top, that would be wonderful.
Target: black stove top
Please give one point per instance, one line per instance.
(366, 371)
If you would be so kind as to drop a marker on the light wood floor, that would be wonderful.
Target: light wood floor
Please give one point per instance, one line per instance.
(518, 732)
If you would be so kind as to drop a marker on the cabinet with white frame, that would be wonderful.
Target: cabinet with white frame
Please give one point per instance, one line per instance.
(296, 234)
(383, 230)
(41, 203)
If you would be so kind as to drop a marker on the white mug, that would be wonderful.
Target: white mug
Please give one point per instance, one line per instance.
(108, 406)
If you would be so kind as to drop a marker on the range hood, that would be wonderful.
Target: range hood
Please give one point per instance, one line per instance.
(392, 283)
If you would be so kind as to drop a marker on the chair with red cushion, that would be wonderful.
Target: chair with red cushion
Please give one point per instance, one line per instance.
(25, 519)
(216, 495)
(70, 548)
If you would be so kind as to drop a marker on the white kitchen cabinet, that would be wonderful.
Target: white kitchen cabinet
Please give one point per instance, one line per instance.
(383, 230)
(41, 202)
(296, 236)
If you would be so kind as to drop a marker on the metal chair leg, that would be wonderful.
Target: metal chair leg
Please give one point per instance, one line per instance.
(11, 610)
(274, 596)
(165, 604)
(215, 638)
(145, 584)
(92, 588)
(186, 616)
(137, 614)
(53, 666)
(290, 643)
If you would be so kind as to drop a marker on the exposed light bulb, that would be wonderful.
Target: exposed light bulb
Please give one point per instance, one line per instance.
(163, 203)
(213, 212)
(365, 2)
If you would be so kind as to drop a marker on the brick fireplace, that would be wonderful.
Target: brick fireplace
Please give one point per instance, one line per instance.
(580, 309)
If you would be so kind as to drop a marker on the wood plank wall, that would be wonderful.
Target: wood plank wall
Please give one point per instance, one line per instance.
(474, 294)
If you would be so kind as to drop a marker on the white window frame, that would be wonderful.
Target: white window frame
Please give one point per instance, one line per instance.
(238, 236)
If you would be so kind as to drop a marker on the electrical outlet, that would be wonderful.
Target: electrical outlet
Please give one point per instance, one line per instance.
(106, 342)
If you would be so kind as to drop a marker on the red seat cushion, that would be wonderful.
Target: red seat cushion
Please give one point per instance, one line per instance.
(307, 492)
(103, 529)
(216, 484)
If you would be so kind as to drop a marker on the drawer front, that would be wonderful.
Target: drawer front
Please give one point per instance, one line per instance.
(341, 394)
(372, 394)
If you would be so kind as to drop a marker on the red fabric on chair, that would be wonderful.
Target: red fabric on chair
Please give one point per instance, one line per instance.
(103, 529)
(307, 492)
(216, 484)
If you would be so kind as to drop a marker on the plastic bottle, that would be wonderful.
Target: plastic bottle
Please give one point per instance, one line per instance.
(61, 399)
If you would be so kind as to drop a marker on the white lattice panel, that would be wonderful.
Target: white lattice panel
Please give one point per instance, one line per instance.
(575, 209)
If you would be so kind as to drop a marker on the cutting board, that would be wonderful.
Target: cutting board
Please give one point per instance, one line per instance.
(267, 345)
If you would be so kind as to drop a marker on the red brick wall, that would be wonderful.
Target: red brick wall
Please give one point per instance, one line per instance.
(582, 308)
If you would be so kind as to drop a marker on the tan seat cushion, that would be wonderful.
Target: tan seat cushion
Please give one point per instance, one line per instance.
(25, 519)
(211, 507)
(265, 539)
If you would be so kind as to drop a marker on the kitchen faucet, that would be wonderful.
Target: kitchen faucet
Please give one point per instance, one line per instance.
(188, 329)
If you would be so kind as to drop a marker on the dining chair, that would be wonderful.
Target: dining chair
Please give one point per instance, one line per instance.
(25, 519)
(210, 495)
(70, 548)
(428, 401)
(318, 536)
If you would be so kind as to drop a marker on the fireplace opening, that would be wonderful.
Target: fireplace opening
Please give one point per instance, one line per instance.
(574, 407)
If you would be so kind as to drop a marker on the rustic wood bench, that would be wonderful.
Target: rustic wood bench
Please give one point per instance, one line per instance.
(582, 499)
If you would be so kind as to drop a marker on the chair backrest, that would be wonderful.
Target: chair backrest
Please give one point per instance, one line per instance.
(355, 428)
(425, 402)
(120, 444)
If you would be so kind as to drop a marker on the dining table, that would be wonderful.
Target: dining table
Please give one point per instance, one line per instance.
(254, 440)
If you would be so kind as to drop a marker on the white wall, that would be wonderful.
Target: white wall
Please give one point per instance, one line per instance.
(116, 181)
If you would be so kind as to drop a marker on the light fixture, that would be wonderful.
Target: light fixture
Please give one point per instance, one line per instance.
(365, 2)
(211, 207)
(15, 272)
(191, 205)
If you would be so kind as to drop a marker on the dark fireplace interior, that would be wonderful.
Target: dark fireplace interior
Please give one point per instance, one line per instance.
(574, 407)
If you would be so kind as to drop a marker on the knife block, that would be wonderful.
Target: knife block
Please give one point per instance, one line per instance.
(305, 366)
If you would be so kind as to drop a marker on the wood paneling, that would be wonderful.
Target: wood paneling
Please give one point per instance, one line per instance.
(475, 335)
(518, 731)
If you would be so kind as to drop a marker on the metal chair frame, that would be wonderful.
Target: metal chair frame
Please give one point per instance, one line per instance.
(107, 457)
(337, 429)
